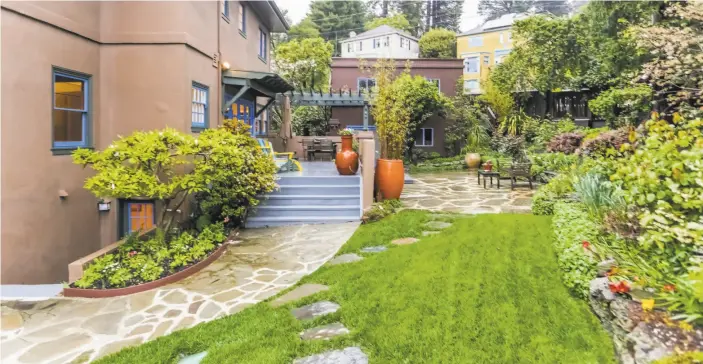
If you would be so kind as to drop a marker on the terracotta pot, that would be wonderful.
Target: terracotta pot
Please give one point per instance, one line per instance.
(390, 178)
(347, 160)
(473, 160)
(488, 166)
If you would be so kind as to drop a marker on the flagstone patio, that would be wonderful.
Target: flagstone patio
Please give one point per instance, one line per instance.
(263, 263)
(459, 192)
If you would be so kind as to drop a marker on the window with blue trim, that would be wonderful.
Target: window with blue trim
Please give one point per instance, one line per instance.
(476, 41)
(199, 106)
(136, 216)
(263, 44)
(225, 8)
(70, 114)
(242, 19)
(363, 83)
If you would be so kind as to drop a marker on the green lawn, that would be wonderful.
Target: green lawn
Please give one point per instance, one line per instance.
(486, 290)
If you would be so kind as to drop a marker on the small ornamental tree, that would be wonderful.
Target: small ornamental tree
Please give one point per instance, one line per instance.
(438, 43)
(170, 166)
(397, 21)
(391, 114)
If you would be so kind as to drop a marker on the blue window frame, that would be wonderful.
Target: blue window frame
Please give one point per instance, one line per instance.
(70, 117)
(364, 83)
(199, 106)
(242, 19)
(244, 111)
(136, 216)
(263, 44)
(476, 41)
(225, 8)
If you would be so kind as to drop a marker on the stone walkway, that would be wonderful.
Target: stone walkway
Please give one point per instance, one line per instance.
(263, 263)
(459, 192)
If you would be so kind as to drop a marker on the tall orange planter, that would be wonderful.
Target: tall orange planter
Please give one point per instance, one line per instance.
(390, 178)
(347, 160)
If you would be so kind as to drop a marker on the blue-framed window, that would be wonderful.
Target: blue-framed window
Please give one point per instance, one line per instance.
(242, 19)
(263, 44)
(199, 106)
(136, 216)
(364, 83)
(225, 8)
(244, 111)
(476, 41)
(70, 116)
(471, 65)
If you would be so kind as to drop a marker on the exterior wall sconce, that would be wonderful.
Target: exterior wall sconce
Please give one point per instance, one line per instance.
(63, 194)
(225, 66)
(103, 205)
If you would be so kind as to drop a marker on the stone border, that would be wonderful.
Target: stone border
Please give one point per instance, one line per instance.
(114, 292)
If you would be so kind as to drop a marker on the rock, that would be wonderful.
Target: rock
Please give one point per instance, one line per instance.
(209, 311)
(139, 330)
(599, 289)
(352, 355)
(405, 241)
(345, 258)
(11, 319)
(646, 348)
(193, 308)
(325, 332)
(38, 353)
(193, 359)
(605, 266)
(439, 225)
(103, 324)
(374, 249)
(116, 346)
(176, 297)
(620, 309)
(160, 330)
(316, 309)
(228, 295)
(299, 292)
(428, 233)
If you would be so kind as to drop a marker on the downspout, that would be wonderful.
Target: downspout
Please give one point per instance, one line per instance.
(219, 62)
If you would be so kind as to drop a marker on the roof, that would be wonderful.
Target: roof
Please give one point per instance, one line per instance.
(270, 15)
(380, 30)
(266, 83)
(505, 21)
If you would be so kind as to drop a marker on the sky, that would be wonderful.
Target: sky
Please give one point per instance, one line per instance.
(298, 8)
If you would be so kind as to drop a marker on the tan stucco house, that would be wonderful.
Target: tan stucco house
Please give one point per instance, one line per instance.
(80, 74)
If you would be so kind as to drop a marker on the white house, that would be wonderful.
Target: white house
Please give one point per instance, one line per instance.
(381, 42)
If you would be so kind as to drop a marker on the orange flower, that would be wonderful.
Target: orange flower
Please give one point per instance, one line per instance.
(586, 245)
(669, 288)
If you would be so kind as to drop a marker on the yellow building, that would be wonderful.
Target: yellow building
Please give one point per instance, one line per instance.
(483, 47)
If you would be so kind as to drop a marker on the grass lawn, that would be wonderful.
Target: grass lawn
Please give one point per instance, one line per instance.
(486, 290)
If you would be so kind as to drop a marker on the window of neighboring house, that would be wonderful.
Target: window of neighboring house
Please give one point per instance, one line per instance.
(501, 38)
(435, 81)
(350, 47)
(471, 85)
(360, 44)
(476, 41)
(199, 103)
(386, 41)
(377, 43)
(363, 83)
(225, 8)
(136, 216)
(510, 36)
(471, 65)
(486, 59)
(402, 42)
(242, 19)
(263, 44)
(425, 138)
(70, 110)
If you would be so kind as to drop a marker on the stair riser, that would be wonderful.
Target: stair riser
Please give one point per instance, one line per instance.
(318, 181)
(318, 190)
(351, 212)
(307, 201)
(262, 224)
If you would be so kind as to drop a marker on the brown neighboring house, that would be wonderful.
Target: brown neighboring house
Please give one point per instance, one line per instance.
(346, 74)
(79, 74)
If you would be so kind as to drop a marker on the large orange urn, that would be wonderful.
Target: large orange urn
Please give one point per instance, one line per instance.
(347, 160)
(390, 178)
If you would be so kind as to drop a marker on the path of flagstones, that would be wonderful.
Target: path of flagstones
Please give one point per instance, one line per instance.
(263, 263)
(459, 192)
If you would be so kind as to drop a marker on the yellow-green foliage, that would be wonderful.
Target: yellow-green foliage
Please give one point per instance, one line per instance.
(390, 111)
(438, 43)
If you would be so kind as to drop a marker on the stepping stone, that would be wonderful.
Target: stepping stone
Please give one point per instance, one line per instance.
(374, 249)
(404, 241)
(193, 359)
(345, 258)
(438, 225)
(325, 332)
(298, 293)
(352, 355)
(428, 233)
(316, 309)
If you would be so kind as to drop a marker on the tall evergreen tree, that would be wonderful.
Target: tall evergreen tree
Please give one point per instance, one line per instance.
(447, 14)
(414, 12)
(335, 19)
(492, 9)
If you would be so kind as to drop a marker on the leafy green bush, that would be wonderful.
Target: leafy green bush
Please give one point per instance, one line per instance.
(664, 179)
(622, 106)
(605, 144)
(380, 210)
(538, 132)
(512, 146)
(136, 262)
(566, 143)
(691, 357)
(554, 191)
(572, 227)
(552, 162)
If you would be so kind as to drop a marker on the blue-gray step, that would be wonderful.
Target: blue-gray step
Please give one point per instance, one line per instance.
(309, 200)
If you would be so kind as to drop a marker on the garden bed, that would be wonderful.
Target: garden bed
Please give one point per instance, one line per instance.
(167, 279)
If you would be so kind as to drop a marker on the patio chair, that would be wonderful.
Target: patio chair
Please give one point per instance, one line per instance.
(326, 146)
(284, 160)
(521, 170)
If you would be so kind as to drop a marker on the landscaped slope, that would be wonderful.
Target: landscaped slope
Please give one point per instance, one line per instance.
(485, 290)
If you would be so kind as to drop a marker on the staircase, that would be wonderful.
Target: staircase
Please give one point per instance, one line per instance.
(309, 200)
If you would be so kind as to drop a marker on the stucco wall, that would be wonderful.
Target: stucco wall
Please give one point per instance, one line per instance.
(234, 44)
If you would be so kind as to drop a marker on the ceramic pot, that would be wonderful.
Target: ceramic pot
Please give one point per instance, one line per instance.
(473, 160)
(390, 177)
(347, 160)
(488, 166)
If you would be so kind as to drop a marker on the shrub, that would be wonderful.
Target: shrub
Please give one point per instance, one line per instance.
(556, 190)
(598, 194)
(565, 143)
(572, 226)
(538, 132)
(509, 145)
(552, 162)
(380, 210)
(605, 144)
(622, 106)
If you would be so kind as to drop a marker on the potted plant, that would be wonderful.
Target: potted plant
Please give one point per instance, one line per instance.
(472, 123)
(392, 116)
(347, 160)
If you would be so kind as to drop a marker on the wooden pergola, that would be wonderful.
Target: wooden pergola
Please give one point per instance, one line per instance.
(338, 98)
